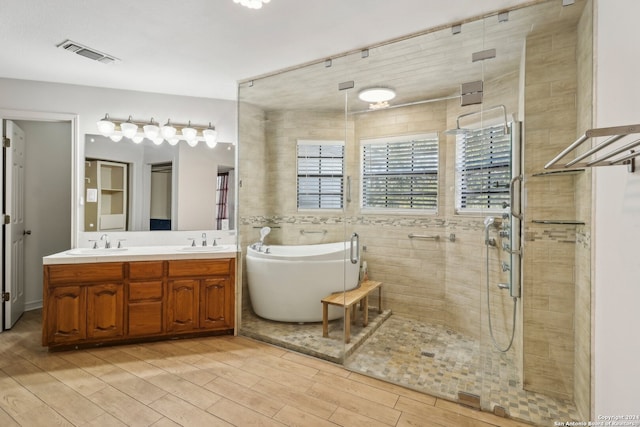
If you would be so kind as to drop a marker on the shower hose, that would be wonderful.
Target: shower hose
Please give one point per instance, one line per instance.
(513, 324)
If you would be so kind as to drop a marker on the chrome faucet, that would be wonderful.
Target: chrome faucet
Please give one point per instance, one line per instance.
(204, 239)
(107, 243)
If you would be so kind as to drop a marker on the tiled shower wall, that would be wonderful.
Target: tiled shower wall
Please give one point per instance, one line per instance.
(556, 256)
(582, 380)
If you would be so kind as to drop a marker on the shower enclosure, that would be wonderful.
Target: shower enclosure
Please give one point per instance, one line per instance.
(440, 192)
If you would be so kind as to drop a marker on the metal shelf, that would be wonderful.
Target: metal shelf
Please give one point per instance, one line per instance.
(558, 221)
(559, 172)
(612, 158)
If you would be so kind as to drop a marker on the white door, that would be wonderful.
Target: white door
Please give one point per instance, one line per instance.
(14, 232)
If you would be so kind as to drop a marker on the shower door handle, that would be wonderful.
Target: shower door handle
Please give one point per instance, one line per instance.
(355, 239)
(512, 196)
(348, 189)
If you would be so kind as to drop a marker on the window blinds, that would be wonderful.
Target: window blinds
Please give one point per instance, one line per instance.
(320, 175)
(400, 174)
(483, 169)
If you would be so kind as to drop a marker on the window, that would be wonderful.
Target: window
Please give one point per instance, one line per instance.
(320, 174)
(483, 169)
(400, 173)
(222, 189)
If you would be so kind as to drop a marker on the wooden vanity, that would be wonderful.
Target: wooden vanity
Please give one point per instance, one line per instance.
(94, 303)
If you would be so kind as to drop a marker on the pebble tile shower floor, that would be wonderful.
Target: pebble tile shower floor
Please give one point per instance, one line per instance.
(428, 358)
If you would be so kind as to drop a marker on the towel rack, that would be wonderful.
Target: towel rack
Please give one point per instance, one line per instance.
(615, 133)
(303, 232)
(422, 236)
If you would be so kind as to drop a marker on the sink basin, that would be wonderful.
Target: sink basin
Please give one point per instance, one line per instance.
(218, 248)
(99, 251)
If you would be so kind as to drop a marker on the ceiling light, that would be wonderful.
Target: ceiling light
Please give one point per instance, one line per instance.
(173, 141)
(116, 137)
(128, 128)
(137, 139)
(192, 142)
(377, 94)
(252, 4)
(105, 126)
(151, 130)
(158, 140)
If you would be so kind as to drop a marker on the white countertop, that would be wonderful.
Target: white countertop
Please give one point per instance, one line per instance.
(140, 253)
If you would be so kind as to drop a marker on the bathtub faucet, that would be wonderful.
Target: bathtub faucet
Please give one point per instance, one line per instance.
(257, 246)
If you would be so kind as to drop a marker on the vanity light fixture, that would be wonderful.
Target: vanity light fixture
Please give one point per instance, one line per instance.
(105, 126)
(168, 131)
(173, 133)
(252, 4)
(210, 136)
(189, 134)
(128, 128)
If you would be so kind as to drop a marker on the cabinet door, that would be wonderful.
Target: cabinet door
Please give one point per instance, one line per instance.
(216, 304)
(66, 314)
(105, 310)
(182, 307)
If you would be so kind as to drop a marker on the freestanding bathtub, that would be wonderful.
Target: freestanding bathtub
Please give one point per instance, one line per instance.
(286, 283)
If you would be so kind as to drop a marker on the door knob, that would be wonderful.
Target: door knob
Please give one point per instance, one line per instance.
(26, 232)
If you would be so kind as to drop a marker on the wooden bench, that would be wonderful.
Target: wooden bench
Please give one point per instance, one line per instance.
(347, 300)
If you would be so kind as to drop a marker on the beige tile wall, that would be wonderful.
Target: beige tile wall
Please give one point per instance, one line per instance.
(582, 382)
(550, 250)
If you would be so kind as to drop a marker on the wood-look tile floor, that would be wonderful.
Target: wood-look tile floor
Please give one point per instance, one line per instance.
(214, 381)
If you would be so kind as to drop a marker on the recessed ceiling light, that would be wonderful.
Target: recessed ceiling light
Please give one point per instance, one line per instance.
(377, 94)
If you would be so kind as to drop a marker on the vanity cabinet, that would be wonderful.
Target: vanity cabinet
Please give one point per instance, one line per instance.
(96, 303)
(200, 296)
(83, 302)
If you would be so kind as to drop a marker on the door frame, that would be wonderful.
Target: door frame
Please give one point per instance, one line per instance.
(40, 116)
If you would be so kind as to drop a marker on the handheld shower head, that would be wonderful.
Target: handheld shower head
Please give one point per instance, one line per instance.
(488, 221)
(264, 232)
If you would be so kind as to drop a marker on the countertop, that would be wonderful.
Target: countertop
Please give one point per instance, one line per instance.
(140, 253)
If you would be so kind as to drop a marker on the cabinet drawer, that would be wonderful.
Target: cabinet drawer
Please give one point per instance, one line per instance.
(85, 273)
(145, 270)
(199, 267)
(140, 291)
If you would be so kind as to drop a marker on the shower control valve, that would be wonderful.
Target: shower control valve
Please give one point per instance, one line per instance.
(505, 266)
(504, 234)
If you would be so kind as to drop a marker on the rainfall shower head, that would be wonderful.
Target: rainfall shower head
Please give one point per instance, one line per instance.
(456, 131)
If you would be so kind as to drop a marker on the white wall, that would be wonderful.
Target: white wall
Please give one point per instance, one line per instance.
(617, 217)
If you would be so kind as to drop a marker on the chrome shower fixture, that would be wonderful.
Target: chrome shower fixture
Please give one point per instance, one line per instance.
(458, 130)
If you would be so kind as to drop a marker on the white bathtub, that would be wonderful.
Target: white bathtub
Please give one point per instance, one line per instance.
(287, 283)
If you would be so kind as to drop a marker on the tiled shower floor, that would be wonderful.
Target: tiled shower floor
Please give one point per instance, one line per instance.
(423, 357)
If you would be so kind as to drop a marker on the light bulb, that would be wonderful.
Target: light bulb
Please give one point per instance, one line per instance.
(158, 140)
(129, 129)
(151, 130)
(137, 139)
(210, 136)
(168, 131)
(189, 133)
(192, 142)
(105, 126)
(173, 141)
(116, 137)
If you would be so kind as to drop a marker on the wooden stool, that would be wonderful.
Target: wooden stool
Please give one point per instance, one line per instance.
(347, 300)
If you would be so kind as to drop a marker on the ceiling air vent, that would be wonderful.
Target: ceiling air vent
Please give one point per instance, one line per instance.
(87, 52)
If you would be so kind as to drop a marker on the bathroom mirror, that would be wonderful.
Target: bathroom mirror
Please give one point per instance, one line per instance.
(142, 187)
